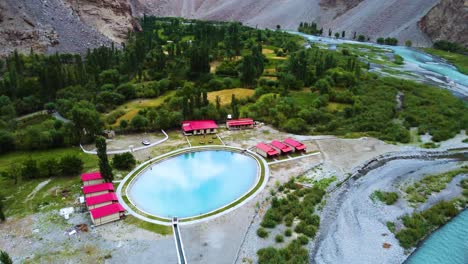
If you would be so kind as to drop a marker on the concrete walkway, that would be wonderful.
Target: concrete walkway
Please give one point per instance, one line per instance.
(93, 152)
(295, 158)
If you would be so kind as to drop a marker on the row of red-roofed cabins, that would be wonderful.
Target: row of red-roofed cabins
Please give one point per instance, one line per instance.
(101, 199)
(276, 147)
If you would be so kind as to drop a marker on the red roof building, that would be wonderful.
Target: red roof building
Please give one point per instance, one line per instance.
(98, 189)
(101, 200)
(240, 123)
(295, 144)
(282, 147)
(199, 127)
(91, 178)
(266, 151)
(106, 214)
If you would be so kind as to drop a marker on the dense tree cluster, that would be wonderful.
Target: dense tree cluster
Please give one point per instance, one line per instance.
(310, 28)
(388, 41)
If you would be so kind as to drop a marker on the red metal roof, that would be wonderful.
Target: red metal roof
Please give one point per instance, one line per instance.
(106, 210)
(298, 145)
(269, 150)
(198, 125)
(240, 122)
(99, 199)
(283, 147)
(98, 188)
(91, 176)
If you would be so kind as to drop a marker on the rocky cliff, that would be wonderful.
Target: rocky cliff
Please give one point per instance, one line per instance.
(112, 18)
(448, 20)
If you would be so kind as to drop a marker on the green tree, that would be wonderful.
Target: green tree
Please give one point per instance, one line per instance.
(337, 35)
(104, 167)
(248, 70)
(2, 214)
(29, 169)
(123, 124)
(124, 161)
(5, 258)
(86, 119)
(408, 43)
(71, 165)
(49, 168)
(343, 34)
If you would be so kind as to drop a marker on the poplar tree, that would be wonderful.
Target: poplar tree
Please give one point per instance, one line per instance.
(104, 166)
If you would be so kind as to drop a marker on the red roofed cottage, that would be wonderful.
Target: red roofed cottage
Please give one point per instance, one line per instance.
(283, 148)
(242, 123)
(91, 178)
(98, 189)
(107, 214)
(295, 144)
(101, 200)
(266, 151)
(199, 127)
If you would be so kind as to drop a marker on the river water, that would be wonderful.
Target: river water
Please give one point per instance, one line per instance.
(448, 245)
(425, 67)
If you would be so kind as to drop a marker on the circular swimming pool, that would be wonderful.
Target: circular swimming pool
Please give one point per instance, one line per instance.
(193, 183)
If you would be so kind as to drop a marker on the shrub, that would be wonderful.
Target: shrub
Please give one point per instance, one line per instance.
(303, 240)
(388, 198)
(124, 161)
(279, 238)
(261, 232)
(71, 165)
(391, 226)
(288, 232)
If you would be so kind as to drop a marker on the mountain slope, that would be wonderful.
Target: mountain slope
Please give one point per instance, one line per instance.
(448, 20)
(374, 18)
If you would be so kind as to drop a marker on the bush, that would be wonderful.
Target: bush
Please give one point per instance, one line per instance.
(288, 232)
(279, 238)
(71, 165)
(303, 240)
(124, 161)
(391, 226)
(261, 232)
(388, 198)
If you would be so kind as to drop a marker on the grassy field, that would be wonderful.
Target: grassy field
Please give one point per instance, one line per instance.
(158, 229)
(54, 194)
(132, 108)
(197, 140)
(226, 95)
(459, 60)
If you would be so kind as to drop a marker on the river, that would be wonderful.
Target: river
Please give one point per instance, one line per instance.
(427, 68)
(448, 245)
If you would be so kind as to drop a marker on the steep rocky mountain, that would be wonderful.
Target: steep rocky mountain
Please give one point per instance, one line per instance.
(448, 20)
(75, 25)
(62, 25)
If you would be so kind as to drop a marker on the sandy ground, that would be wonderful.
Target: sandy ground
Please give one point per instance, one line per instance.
(121, 142)
(353, 227)
(230, 238)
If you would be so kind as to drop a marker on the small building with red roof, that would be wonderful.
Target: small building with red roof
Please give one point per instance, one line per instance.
(243, 123)
(199, 127)
(91, 178)
(295, 144)
(97, 201)
(281, 147)
(98, 189)
(107, 214)
(266, 150)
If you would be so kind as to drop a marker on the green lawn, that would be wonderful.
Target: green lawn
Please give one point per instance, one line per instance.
(201, 140)
(459, 60)
(57, 193)
(159, 229)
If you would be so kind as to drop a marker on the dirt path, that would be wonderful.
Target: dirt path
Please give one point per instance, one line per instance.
(38, 188)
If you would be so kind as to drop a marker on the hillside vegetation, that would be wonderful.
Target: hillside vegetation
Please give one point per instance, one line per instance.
(165, 74)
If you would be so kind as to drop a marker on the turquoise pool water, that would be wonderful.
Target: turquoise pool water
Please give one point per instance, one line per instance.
(448, 245)
(193, 183)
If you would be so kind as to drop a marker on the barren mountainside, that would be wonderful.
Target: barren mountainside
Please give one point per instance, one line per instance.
(75, 25)
(448, 20)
